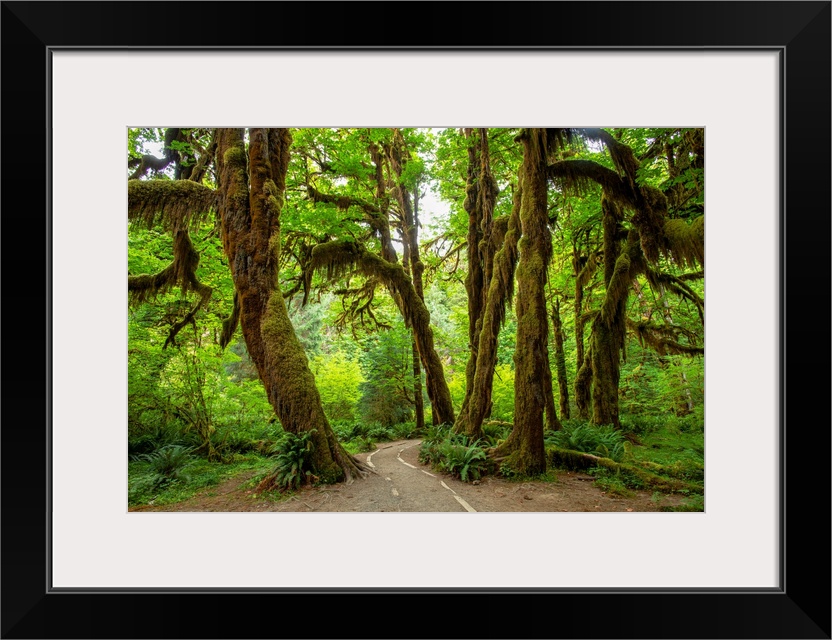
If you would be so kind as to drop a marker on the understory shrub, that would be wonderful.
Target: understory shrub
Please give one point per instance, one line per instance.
(456, 454)
(292, 454)
(604, 441)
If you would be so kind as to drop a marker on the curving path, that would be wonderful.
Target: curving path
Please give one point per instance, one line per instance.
(408, 486)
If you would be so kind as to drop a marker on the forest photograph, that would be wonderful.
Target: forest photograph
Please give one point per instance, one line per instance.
(412, 319)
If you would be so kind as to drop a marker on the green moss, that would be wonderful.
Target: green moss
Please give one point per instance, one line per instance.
(235, 157)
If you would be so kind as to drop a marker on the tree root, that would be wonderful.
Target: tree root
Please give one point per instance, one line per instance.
(351, 466)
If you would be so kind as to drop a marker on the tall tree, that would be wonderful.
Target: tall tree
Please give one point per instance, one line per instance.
(523, 449)
(249, 200)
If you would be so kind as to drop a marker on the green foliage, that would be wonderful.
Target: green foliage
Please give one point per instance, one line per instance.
(339, 381)
(167, 463)
(603, 441)
(387, 368)
(495, 432)
(694, 502)
(193, 395)
(456, 454)
(502, 394)
(380, 432)
(405, 430)
(143, 487)
(292, 455)
(614, 482)
(435, 433)
(464, 462)
(360, 444)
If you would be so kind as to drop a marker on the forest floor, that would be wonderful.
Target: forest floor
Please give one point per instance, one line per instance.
(402, 483)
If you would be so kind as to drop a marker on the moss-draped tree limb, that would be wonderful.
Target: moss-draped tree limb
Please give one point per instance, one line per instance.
(176, 206)
(653, 235)
(337, 258)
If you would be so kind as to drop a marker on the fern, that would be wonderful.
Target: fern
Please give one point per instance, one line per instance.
(167, 463)
(292, 454)
(603, 441)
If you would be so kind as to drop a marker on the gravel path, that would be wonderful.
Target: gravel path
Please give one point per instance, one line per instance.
(401, 483)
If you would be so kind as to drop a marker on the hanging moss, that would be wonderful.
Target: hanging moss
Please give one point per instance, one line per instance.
(685, 243)
(337, 257)
(171, 204)
(659, 280)
(664, 338)
(579, 177)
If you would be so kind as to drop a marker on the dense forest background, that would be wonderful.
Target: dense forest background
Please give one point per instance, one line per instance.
(519, 299)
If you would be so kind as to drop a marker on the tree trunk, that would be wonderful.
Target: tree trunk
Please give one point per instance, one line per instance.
(552, 420)
(413, 307)
(524, 450)
(560, 360)
(583, 269)
(475, 284)
(334, 258)
(250, 217)
(669, 320)
(583, 386)
(609, 328)
(500, 291)
(419, 406)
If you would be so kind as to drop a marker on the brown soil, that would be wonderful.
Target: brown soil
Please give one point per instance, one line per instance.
(401, 483)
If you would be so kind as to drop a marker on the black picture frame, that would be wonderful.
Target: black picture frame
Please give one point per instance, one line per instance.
(800, 608)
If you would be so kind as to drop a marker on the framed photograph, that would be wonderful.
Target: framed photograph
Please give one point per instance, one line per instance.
(754, 75)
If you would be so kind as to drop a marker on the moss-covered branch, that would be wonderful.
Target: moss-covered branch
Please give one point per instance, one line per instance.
(664, 339)
(579, 461)
(173, 204)
(337, 258)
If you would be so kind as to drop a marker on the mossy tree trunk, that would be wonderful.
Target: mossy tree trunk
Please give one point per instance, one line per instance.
(500, 292)
(413, 265)
(524, 450)
(480, 195)
(610, 325)
(418, 405)
(584, 266)
(560, 360)
(250, 214)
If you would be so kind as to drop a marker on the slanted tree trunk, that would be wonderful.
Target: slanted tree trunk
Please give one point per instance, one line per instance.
(524, 450)
(336, 257)
(407, 291)
(250, 215)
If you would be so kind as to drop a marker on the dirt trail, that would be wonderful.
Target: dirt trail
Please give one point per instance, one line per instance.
(401, 483)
